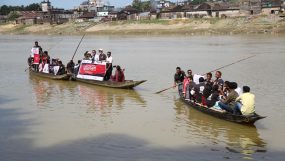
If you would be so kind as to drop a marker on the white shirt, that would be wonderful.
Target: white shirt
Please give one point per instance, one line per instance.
(238, 90)
(109, 59)
(46, 68)
(96, 57)
(196, 78)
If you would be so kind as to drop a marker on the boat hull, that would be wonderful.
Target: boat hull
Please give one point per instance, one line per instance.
(50, 76)
(241, 119)
(128, 84)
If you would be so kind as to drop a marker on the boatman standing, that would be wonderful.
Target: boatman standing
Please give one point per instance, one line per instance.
(35, 55)
(109, 66)
(178, 79)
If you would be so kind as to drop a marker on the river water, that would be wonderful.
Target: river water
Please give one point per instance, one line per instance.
(44, 120)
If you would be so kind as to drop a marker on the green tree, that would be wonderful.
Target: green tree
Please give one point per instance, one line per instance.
(4, 10)
(12, 16)
(137, 4)
(33, 7)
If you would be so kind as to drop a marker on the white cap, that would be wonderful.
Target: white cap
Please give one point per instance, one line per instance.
(101, 49)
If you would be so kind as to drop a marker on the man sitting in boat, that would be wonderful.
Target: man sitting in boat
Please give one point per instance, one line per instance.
(228, 103)
(70, 67)
(119, 75)
(214, 97)
(76, 67)
(61, 69)
(245, 103)
(102, 56)
(189, 83)
(208, 85)
(178, 78)
(198, 90)
(95, 57)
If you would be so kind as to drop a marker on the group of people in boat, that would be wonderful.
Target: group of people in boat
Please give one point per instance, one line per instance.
(56, 67)
(218, 94)
(45, 64)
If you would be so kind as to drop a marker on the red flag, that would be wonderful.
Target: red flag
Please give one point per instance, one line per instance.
(36, 58)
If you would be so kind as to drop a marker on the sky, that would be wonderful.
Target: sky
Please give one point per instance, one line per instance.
(66, 4)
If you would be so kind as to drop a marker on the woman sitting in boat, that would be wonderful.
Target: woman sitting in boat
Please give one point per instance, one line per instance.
(119, 75)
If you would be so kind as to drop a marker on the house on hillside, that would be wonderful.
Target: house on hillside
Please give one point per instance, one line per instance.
(88, 16)
(29, 17)
(210, 9)
(271, 6)
(250, 7)
(3, 19)
(172, 12)
(128, 13)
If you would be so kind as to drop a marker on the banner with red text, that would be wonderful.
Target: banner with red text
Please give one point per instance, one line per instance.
(92, 71)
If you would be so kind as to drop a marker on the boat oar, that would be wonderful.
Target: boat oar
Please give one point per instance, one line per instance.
(78, 46)
(211, 71)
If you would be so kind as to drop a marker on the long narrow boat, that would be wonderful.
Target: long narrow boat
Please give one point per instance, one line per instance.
(128, 84)
(241, 119)
(50, 76)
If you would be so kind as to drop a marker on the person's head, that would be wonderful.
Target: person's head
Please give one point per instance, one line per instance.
(71, 61)
(59, 62)
(218, 74)
(231, 85)
(100, 50)
(245, 89)
(215, 87)
(190, 77)
(118, 68)
(189, 72)
(89, 54)
(46, 52)
(235, 85)
(226, 84)
(178, 69)
(78, 61)
(93, 52)
(201, 79)
(36, 43)
(209, 76)
(109, 53)
(85, 54)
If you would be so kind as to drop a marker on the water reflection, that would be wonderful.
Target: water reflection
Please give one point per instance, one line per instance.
(234, 137)
(50, 94)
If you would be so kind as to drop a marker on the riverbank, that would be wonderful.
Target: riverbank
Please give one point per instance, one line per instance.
(243, 25)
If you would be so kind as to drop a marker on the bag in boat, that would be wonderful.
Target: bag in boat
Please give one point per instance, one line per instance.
(92, 71)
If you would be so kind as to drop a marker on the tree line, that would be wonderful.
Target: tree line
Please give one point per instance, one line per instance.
(5, 10)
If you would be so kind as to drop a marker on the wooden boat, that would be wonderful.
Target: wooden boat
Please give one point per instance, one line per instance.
(241, 119)
(128, 84)
(50, 76)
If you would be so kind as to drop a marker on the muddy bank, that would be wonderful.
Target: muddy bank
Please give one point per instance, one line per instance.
(272, 24)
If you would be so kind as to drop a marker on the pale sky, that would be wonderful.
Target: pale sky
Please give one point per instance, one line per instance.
(67, 4)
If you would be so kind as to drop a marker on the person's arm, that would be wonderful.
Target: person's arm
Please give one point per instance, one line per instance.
(239, 98)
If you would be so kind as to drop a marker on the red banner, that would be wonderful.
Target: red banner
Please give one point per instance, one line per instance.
(92, 69)
(36, 58)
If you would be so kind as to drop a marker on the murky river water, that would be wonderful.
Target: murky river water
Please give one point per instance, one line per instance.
(43, 120)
